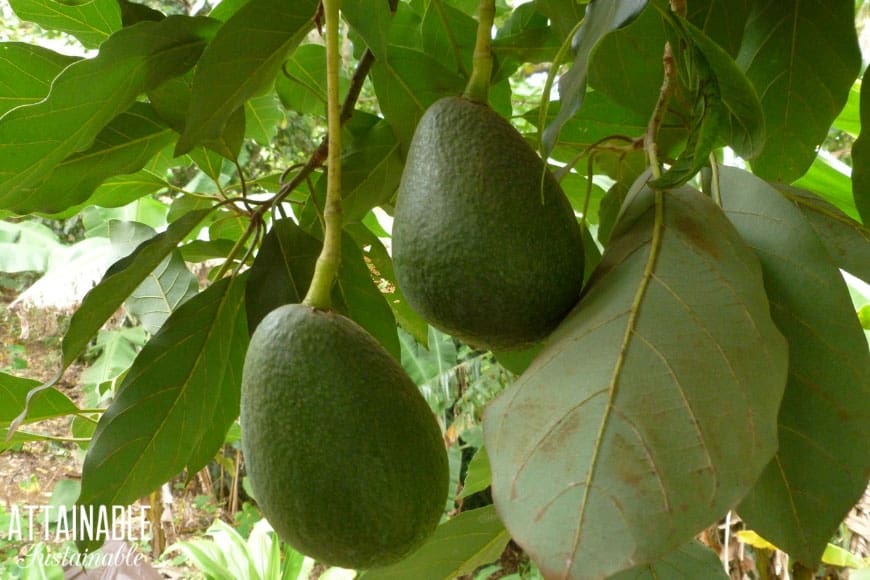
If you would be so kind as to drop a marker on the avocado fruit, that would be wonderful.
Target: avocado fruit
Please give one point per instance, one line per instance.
(344, 456)
(485, 245)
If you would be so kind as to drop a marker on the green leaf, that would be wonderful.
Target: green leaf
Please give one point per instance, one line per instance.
(861, 157)
(282, 273)
(847, 241)
(119, 282)
(125, 145)
(45, 404)
(802, 58)
(117, 351)
(134, 12)
(362, 300)
(849, 119)
(817, 474)
(162, 292)
(302, 82)
(372, 21)
(262, 115)
(722, 21)
(623, 426)
(171, 410)
(458, 546)
(121, 190)
(424, 363)
(448, 34)
(241, 62)
(406, 83)
(374, 250)
(692, 560)
(371, 167)
(526, 36)
(479, 475)
(88, 94)
(90, 21)
(602, 17)
(746, 132)
(282, 270)
(626, 65)
(26, 72)
(829, 178)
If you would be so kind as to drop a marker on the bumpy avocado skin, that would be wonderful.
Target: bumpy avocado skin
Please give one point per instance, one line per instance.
(345, 458)
(479, 249)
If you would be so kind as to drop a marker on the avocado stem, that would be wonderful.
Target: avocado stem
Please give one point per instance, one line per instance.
(477, 89)
(319, 293)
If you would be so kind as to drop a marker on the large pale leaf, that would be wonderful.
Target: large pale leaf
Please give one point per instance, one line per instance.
(89, 93)
(802, 58)
(120, 281)
(164, 290)
(90, 21)
(125, 145)
(847, 241)
(457, 547)
(821, 469)
(618, 444)
(241, 62)
(26, 72)
(692, 560)
(861, 156)
(182, 390)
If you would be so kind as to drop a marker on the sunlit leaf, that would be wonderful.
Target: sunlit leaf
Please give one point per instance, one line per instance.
(91, 21)
(89, 93)
(125, 145)
(623, 426)
(45, 404)
(226, 76)
(26, 72)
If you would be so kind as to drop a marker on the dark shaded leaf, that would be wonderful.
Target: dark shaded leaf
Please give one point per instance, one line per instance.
(282, 273)
(171, 410)
(602, 17)
(692, 560)
(622, 427)
(847, 241)
(861, 156)
(782, 42)
(457, 547)
(226, 76)
(816, 475)
(745, 132)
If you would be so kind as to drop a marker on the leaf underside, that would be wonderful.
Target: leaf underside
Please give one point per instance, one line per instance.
(618, 444)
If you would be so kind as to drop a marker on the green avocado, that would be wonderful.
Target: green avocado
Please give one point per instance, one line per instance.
(344, 456)
(486, 246)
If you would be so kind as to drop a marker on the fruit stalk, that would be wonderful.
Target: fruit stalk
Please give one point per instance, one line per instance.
(326, 268)
(477, 89)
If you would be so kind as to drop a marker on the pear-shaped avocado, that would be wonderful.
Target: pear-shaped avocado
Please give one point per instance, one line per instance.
(485, 244)
(345, 458)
